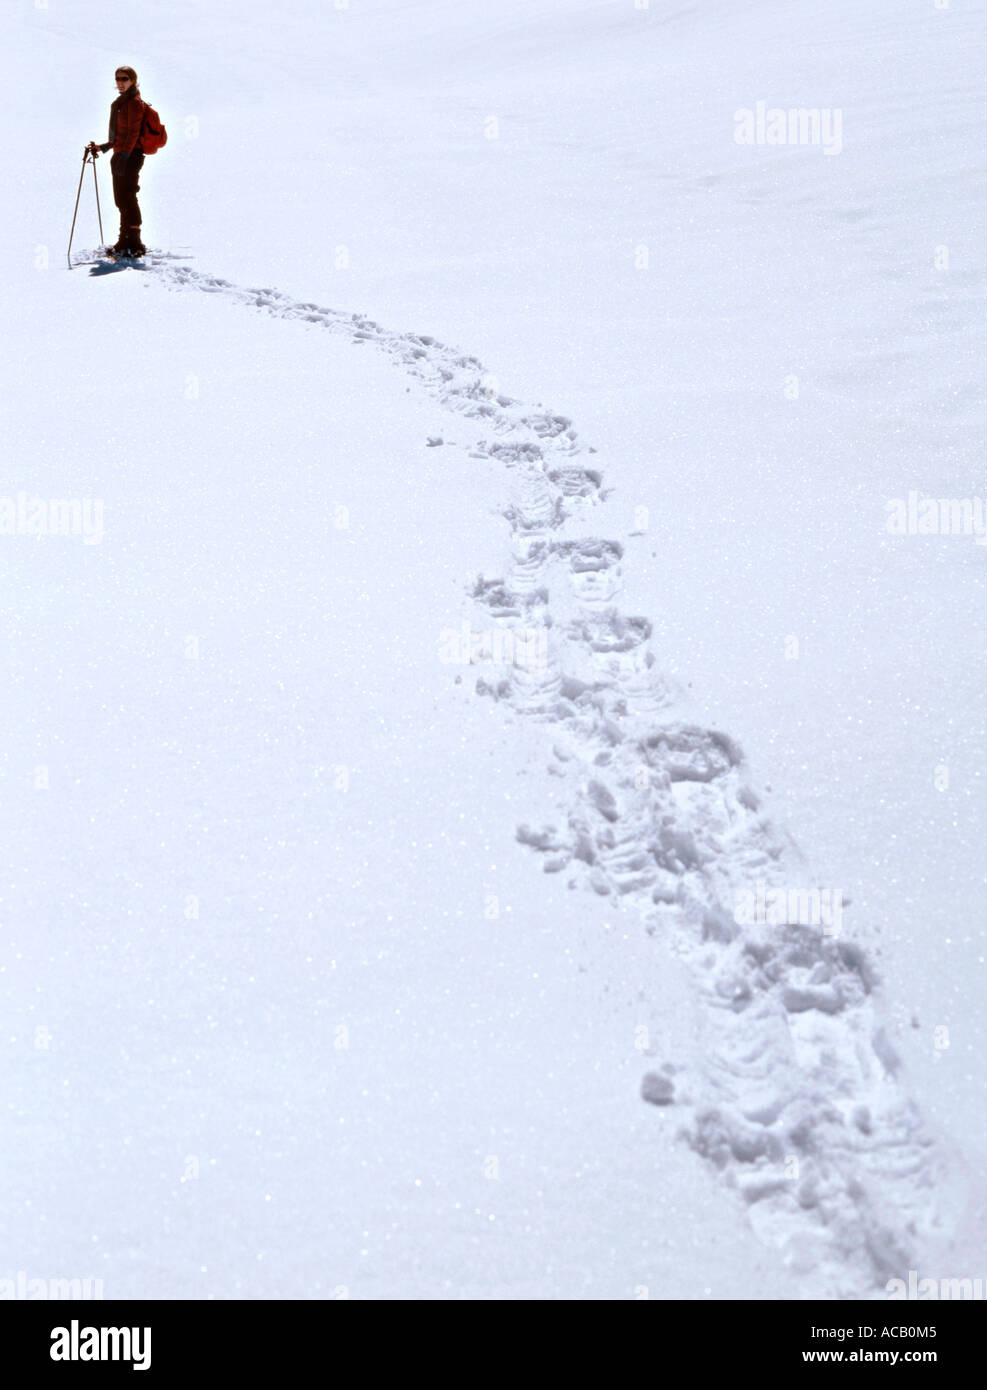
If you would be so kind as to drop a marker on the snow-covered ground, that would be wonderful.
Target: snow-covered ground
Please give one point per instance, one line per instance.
(291, 1007)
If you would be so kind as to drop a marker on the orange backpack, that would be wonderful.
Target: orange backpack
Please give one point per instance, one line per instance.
(153, 134)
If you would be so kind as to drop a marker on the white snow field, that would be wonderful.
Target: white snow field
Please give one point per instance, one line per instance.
(483, 604)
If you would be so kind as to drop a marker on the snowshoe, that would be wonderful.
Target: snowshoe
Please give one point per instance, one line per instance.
(131, 251)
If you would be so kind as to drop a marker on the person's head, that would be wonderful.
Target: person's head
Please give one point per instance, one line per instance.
(125, 79)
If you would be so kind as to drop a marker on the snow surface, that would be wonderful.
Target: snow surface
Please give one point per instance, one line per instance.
(292, 1008)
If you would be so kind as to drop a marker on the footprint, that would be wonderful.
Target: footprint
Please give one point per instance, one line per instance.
(594, 569)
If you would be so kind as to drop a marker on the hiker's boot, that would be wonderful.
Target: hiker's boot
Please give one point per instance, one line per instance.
(135, 247)
(121, 247)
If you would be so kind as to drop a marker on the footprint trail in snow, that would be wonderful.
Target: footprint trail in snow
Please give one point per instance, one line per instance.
(798, 1101)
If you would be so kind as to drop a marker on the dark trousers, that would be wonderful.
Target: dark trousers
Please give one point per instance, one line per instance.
(125, 169)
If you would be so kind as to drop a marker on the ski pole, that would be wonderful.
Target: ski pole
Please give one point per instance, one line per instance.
(85, 156)
(98, 213)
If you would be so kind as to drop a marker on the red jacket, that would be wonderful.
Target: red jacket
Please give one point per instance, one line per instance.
(125, 123)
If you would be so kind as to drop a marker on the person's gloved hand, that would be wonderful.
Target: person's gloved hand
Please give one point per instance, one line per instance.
(93, 149)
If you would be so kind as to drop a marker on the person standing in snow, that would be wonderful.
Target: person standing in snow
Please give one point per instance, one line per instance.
(126, 120)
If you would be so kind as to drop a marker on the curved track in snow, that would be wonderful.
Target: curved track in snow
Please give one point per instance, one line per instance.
(798, 1101)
